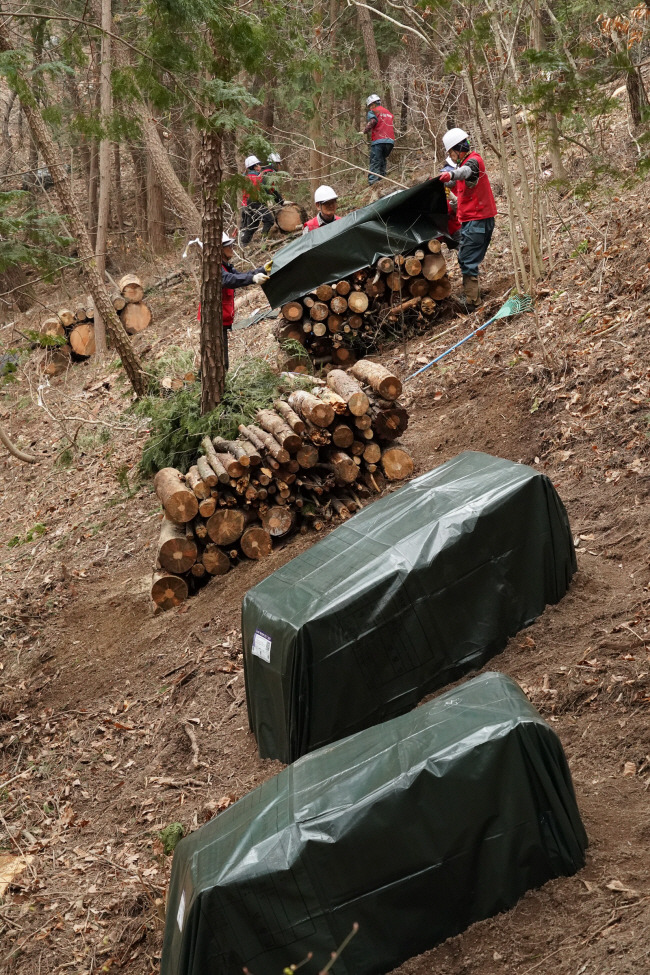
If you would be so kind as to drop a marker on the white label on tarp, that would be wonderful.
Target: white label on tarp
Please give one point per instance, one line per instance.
(180, 913)
(262, 646)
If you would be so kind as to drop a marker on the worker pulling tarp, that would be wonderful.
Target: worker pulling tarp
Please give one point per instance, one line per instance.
(413, 829)
(395, 224)
(407, 596)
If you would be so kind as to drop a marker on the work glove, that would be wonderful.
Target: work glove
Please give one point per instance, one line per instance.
(260, 278)
(445, 177)
(268, 266)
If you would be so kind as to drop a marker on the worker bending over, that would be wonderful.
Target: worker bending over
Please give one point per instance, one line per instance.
(269, 178)
(231, 279)
(379, 122)
(476, 209)
(326, 200)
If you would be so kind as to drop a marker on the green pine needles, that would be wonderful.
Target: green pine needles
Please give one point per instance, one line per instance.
(177, 427)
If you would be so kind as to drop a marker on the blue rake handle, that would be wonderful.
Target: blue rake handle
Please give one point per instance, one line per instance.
(456, 346)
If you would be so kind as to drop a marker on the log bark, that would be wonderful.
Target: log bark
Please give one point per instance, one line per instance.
(206, 473)
(378, 377)
(214, 461)
(389, 422)
(256, 542)
(168, 590)
(344, 468)
(280, 429)
(310, 408)
(226, 526)
(231, 465)
(176, 498)
(136, 316)
(131, 288)
(292, 418)
(215, 561)
(235, 448)
(397, 464)
(268, 443)
(177, 551)
(200, 487)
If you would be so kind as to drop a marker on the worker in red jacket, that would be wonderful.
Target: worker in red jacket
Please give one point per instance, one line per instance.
(476, 208)
(231, 279)
(379, 122)
(254, 212)
(326, 200)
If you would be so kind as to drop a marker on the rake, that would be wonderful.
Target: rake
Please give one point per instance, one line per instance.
(513, 306)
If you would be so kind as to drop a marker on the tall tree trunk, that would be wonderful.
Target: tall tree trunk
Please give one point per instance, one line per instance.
(139, 172)
(155, 210)
(69, 207)
(105, 109)
(213, 365)
(538, 36)
(368, 34)
(117, 193)
(7, 145)
(93, 193)
(176, 196)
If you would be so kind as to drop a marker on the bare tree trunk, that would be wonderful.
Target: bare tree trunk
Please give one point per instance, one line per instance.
(117, 194)
(93, 193)
(69, 207)
(176, 196)
(368, 34)
(139, 171)
(538, 36)
(8, 149)
(155, 210)
(213, 366)
(105, 108)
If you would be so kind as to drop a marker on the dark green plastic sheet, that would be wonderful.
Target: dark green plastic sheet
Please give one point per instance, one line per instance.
(393, 225)
(407, 596)
(414, 829)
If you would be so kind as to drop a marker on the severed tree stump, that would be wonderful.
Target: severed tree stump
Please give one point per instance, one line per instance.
(168, 590)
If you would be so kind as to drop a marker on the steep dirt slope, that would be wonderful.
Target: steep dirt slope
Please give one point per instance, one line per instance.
(116, 722)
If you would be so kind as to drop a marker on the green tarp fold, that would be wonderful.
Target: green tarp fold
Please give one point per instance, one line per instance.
(410, 594)
(395, 224)
(414, 829)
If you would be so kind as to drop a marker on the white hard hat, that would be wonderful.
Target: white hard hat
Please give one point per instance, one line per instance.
(251, 161)
(324, 194)
(225, 239)
(274, 158)
(372, 98)
(452, 137)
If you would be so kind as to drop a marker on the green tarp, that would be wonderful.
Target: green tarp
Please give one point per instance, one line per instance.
(395, 224)
(414, 829)
(407, 596)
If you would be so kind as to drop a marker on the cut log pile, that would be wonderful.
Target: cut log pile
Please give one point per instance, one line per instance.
(338, 322)
(311, 460)
(76, 324)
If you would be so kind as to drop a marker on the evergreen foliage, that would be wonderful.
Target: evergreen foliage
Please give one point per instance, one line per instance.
(177, 427)
(29, 237)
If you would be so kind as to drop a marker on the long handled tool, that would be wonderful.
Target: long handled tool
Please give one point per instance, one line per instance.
(513, 306)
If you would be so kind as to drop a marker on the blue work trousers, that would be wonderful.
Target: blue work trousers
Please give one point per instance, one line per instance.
(379, 153)
(475, 237)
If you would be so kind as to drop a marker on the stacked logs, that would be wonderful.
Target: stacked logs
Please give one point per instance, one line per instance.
(134, 313)
(76, 324)
(339, 320)
(311, 460)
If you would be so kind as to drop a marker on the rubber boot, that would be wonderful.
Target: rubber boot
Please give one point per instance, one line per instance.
(470, 291)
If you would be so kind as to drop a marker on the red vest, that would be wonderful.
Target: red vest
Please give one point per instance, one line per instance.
(384, 128)
(475, 202)
(313, 224)
(256, 180)
(227, 305)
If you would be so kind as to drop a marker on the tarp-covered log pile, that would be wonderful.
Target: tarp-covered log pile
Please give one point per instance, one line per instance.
(412, 830)
(338, 322)
(311, 459)
(345, 284)
(418, 589)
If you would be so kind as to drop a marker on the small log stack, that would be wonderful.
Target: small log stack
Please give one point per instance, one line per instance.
(338, 321)
(311, 460)
(76, 324)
